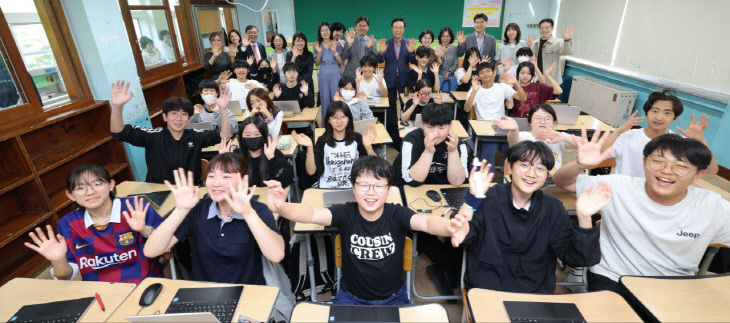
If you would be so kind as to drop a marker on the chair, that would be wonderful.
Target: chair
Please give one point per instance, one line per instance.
(407, 262)
(203, 169)
(712, 251)
(608, 162)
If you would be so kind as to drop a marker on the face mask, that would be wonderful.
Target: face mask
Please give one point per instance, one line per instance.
(347, 94)
(208, 98)
(265, 70)
(253, 143)
(523, 59)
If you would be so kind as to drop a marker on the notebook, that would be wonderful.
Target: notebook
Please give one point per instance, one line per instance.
(522, 125)
(353, 313)
(542, 312)
(61, 311)
(566, 114)
(337, 197)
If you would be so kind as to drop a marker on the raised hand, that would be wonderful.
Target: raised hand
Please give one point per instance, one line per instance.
(226, 146)
(223, 77)
(452, 141)
(439, 51)
(272, 62)
(338, 97)
(476, 84)
(358, 74)
(53, 247)
(302, 139)
(350, 36)
(473, 61)
(459, 228)
(568, 33)
(589, 152)
(553, 137)
(530, 40)
(479, 180)
(136, 214)
(232, 50)
(249, 86)
(411, 45)
(382, 46)
(415, 68)
(435, 68)
(460, 38)
(277, 90)
(592, 200)
(304, 87)
(270, 146)
(184, 191)
(198, 108)
(223, 98)
(632, 122)
(295, 52)
(549, 69)
(507, 78)
(249, 60)
(120, 94)
(317, 47)
(245, 42)
(239, 196)
(695, 130)
(370, 41)
(276, 195)
(486, 59)
(369, 135)
(362, 95)
(217, 50)
(506, 123)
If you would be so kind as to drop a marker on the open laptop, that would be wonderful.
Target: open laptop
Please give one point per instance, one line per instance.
(178, 317)
(522, 125)
(220, 301)
(290, 106)
(542, 312)
(61, 311)
(337, 197)
(154, 198)
(567, 114)
(235, 107)
(362, 125)
(354, 313)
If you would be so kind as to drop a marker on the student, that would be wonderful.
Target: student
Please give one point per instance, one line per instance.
(150, 55)
(422, 69)
(542, 119)
(337, 149)
(102, 239)
(265, 161)
(658, 224)
(661, 108)
(169, 148)
(357, 46)
(421, 97)
(268, 76)
(484, 42)
(358, 105)
(488, 99)
(234, 43)
(510, 44)
(523, 55)
(327, 57)
(210, 111)
(241, 84)
(228, 232)
(394, 52)
(278, 57)
(253, 49)
(449, 61)
(301, 56)
(371, 274)
(216, 60)
(372, 84)
(517, 234)
(537, 93)
(293, 89)
(549, 49)
(433, 153)
(261, 107)
(467, 71)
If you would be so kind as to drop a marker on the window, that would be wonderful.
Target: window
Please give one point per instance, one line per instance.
(271, 23)
(210, 19)
(9, 94)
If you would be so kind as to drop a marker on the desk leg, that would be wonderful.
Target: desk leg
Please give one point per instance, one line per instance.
(310, 268)
(413, 277)
(295, 180)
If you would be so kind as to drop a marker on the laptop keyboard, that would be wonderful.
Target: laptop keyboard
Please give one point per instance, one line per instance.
(222, 310)
(70, 318)
(454, 196)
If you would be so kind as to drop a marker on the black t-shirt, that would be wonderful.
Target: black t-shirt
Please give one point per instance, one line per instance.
(294, 93)
(411, 151)
(164, 154)
(427, 74)
(417, 110)
(372, 252)
(261, 169)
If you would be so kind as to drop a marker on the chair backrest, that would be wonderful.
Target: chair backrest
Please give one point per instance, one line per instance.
(608, 162)
(407, 253)
(203, 169)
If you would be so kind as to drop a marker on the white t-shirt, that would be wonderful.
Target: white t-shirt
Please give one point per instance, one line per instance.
(239, 92)
(629, 152)
(371, 88)
(641, 237)
(557, 149)
(489, 103)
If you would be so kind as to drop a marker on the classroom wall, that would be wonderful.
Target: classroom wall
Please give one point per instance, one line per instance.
(286, 16)
(106, 55)
(527, 13)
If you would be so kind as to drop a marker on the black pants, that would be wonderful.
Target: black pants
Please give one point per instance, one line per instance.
(598, 282)
(392, 113)
(442, 254)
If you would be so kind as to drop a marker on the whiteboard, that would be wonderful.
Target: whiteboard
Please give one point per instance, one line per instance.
(681, 41)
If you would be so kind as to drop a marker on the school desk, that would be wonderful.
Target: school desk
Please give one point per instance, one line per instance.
(487, 305)
(455, 124)
(311, 312)
(256, 301)
(459, 95)
(27, 291)
(308, 115)
(314, 198)
(682, 299)
(380, 106)
(381, 138)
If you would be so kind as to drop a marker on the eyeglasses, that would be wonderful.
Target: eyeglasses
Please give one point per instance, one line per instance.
(423, 95)
(364, 188)
(543, 119)
(93, 185)
(340, 118)
(677, 167)
(539, 169)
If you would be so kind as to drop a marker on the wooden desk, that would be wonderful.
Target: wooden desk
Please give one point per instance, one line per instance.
(460, 95)
(445, 97)
(568, 198)
(310, 312)
(243, 116)
(706, 185)
(691, 299)
(256, 301)
(586, 121)
(455, 124)
(309, 115)
(27, 291)
(127, 188)
(487, 305)
(382, 103)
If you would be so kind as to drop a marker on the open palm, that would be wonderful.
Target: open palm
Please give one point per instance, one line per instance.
(459, 228)
(52, 247)
(589, 152)
(479, 180)
(695, 130)
(239, 196)
(184, 191)
(593, 199)
(120, 94)
(136, 214)
(276, 195)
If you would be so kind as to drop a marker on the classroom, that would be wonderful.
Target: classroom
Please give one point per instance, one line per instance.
(381, 161)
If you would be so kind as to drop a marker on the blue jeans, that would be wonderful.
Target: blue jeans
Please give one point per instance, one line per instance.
(448, 84)
(488, 151)
(400, 297)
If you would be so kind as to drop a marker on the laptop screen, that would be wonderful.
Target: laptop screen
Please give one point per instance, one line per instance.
(542, 312)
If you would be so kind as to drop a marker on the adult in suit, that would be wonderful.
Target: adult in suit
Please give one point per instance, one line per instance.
(358, 45)
(548, 49)
(395, 53)
(479, 39)
(254, 49)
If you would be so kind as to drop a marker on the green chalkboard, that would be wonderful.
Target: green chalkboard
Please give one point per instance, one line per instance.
(418, 14)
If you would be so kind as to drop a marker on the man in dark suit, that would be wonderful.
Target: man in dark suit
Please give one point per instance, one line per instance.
(479, 39)
(395, 52)
(254, 49)
(358, 45)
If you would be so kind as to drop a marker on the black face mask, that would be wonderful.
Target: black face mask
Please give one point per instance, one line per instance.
(253, 143)
(265, 70)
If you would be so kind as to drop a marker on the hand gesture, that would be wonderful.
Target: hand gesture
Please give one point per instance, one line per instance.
(232, 50)
(370, 41)
(415, 68)
(338, 97)
(459, 228)
(276, 195)
(277, 90)
(473, 61)
(272, 62)
(568, 33)
(439, 51)
(369, 135)
(295, 52)
(301, 139)
(460, 38)
(533, 60)
(226, 146)
(136, 215)
(550, 68)
(430, 142)
(435, 68)
(304, 87)
(507, 78)
(506, 123)
(530, 40)
(270, 146)
(184, 191)
(486, 59)
(411, 45)
(358, 75)
(53, 247)
(695, 130)
(223, 98)
(592, 200)
(245, 42)
(239, 196)
(350, 36)
(333, 46)
(120, 94)
(382, 46)
(632, 122)
(452, 141)
(479, 180)
(317, 47)
(223, 77)
(217, 50)
(589, 152)
(362, 95)
(249, 86)
(198, 108)
(437, 98)
(551, 136)
(476, 84)
(249, 60)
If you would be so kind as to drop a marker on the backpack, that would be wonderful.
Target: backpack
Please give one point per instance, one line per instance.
(324, 271)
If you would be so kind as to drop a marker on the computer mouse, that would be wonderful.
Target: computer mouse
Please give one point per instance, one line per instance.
(150, 294)
(404, 123)
(433, 195)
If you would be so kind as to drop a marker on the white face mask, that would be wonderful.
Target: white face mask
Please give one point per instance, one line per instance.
(347, 94)
(523, 59)
(208, 98)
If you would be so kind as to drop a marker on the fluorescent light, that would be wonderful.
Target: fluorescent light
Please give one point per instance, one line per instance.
(618, 35)
(531, 11)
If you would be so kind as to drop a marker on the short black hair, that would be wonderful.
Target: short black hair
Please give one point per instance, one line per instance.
(549, 20)
(545, 107)
(362, 18)
(482, 16)
(684, 149)
(528, 151)
(161, 35)
(239, 63)
(423, 51)
(373, 165)
(369, 60)
(208, 84)
(337, 26)
(436, 114)
(397, 20)
(524, 51)
(423, 82)
(483, 65)
(144, 41)
(448, 31)
(427, 32)
(291, 66)
(283, 39)
(249, 27)
(665, 95)
(529, 66)
(346, 79)
(178, 104)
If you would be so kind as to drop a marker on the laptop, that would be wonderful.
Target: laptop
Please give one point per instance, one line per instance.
(454, 196)
(567, 114)
(179, 317)
(220, 301)
(542, 312)
(201, 126)
(61, 311)
(154, 198)
(337, 197)
(290, 106)
(362, 125)
(354, 313)
(522, 125)
(235, 107)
